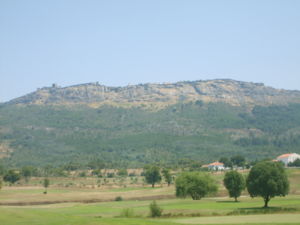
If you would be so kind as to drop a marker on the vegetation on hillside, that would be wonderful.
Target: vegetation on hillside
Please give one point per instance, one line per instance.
(51, 136)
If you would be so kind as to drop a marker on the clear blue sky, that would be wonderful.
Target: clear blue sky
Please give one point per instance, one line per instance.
(118, 42)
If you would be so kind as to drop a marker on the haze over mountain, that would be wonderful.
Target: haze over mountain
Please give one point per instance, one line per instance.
(169, 123)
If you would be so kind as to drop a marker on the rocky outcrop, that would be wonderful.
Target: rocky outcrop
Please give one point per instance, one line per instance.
(229, 91)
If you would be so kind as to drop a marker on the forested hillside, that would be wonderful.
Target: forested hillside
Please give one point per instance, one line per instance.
(43, 135)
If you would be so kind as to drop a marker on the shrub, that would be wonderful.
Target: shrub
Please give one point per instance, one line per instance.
(155, 210)
(128, 213)
(122, 173)
(118, 199)
(110, 175)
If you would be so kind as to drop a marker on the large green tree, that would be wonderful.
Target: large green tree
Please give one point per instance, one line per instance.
(234, 183)
(152, 175)
(267, 179)
(12, 176)
(195, 184)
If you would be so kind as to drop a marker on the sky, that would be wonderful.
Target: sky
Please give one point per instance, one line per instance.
(117, 42)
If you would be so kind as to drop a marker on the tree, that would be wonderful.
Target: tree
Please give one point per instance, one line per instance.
(152, 175)
(194, 184)
(296, 163)
(167, 176)
(234, 183)
(238, 160)
(12, 176)
(46, 184)
(122, 173)
(96, 164)
(27, 172)
(267, 179)
(2, 170)
(225, 161)
(97, 172)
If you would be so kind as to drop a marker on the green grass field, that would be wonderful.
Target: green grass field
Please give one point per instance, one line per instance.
(176, 211)
(73, 210)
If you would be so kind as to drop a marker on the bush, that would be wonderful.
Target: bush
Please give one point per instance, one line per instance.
(296, 163)
(128, 213)
(110, 175)
(82, 174)
(118, 199)
(155, 210)
(122, 173)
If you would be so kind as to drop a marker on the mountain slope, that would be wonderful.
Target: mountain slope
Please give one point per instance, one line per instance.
(60, 126)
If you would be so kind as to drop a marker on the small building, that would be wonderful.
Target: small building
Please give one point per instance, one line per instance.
(216, 166)
(288, 158)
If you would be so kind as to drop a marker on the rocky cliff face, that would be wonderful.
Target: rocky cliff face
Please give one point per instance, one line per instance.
(229, 91)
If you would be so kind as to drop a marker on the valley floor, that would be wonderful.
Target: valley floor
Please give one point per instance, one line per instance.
(86, 204)
(175, 211)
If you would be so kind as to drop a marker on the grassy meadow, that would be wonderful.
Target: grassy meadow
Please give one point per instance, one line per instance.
(87, 204)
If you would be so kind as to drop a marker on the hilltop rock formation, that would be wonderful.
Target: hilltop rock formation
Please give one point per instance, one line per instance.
(233, 92)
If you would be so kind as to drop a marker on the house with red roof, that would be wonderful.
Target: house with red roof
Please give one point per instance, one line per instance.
(215, 166)
(288, 158)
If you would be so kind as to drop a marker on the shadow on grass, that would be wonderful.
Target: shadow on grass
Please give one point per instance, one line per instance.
(228, 201)
(261, 210)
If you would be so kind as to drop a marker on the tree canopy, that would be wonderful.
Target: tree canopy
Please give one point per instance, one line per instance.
(234, 183)
(238, 160)
(267, 179)
(225, 161)
(167, 175)
(46, 184)
(152, 175)
(195, 184)
(12, 176)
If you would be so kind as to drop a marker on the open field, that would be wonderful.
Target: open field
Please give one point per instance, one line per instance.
(92, 189)
(86, 204)
(35, 196)
(176, 211)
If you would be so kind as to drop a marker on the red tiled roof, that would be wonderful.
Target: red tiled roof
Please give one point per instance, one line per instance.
(216, 164)
(284, 155)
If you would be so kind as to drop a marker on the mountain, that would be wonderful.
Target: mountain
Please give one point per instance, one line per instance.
(171, 124)
(235, 93)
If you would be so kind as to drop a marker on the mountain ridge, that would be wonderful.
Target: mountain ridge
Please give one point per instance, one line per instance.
(236, 93)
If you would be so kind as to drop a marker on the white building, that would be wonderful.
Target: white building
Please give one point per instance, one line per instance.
(288, 158)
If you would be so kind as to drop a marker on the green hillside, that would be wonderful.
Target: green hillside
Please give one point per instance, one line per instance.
(55, 135)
